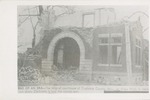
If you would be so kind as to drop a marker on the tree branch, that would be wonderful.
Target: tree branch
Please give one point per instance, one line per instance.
(36, 25)
(66, 12)
(23, 21)
(139, 12)
(31, 19)
(145, 29)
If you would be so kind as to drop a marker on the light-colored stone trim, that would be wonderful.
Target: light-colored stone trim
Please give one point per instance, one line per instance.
(64, 35)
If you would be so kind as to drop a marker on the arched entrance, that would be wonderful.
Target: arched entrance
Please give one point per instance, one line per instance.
(66, 54)
(72, 40)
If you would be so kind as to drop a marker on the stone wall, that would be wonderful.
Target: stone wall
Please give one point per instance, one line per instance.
(85, 65)
(46, 66)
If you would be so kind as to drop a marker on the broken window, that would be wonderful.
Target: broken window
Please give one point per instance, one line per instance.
(116, 54)
(88, 19)
(110, 47)
(103, 48)
(103, 51)
(116, 40)
(138, 52)
(116, 43)
(103, 40)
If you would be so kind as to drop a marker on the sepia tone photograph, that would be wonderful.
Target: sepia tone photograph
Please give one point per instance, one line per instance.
(77, 46)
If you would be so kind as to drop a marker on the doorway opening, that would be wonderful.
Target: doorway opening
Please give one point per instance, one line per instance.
(66, 54)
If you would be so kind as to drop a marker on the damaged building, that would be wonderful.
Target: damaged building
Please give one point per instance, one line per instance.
(112, 53)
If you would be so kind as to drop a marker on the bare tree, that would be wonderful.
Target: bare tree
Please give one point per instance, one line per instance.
(34, 29)
(29, 17)
(138, 12)
(40, 12)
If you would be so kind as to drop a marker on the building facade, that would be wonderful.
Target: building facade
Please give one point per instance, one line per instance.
(107, 54)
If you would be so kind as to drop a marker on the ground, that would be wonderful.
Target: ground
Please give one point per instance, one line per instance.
(29, 76)
(54, 78)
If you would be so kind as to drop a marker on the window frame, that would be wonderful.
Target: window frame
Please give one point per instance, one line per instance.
(87, 14)
(110, 44)
(138, 46)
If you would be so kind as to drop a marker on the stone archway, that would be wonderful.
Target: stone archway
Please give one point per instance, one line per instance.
(52, 45)
(66, 54)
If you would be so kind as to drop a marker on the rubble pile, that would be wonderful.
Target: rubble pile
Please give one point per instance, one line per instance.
(29, 75)
(59, 78)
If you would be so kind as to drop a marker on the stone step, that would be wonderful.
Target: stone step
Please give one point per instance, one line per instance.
(46, 68)
(46, 64)
(86, 64)
(86, 60)
(85, 69)
(46, 61)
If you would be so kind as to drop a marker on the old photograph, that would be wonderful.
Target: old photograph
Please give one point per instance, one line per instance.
(83, 48)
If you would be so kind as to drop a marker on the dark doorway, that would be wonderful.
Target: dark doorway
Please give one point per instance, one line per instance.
(67, 54)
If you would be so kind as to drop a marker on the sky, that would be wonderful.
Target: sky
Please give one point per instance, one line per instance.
(25, 32)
